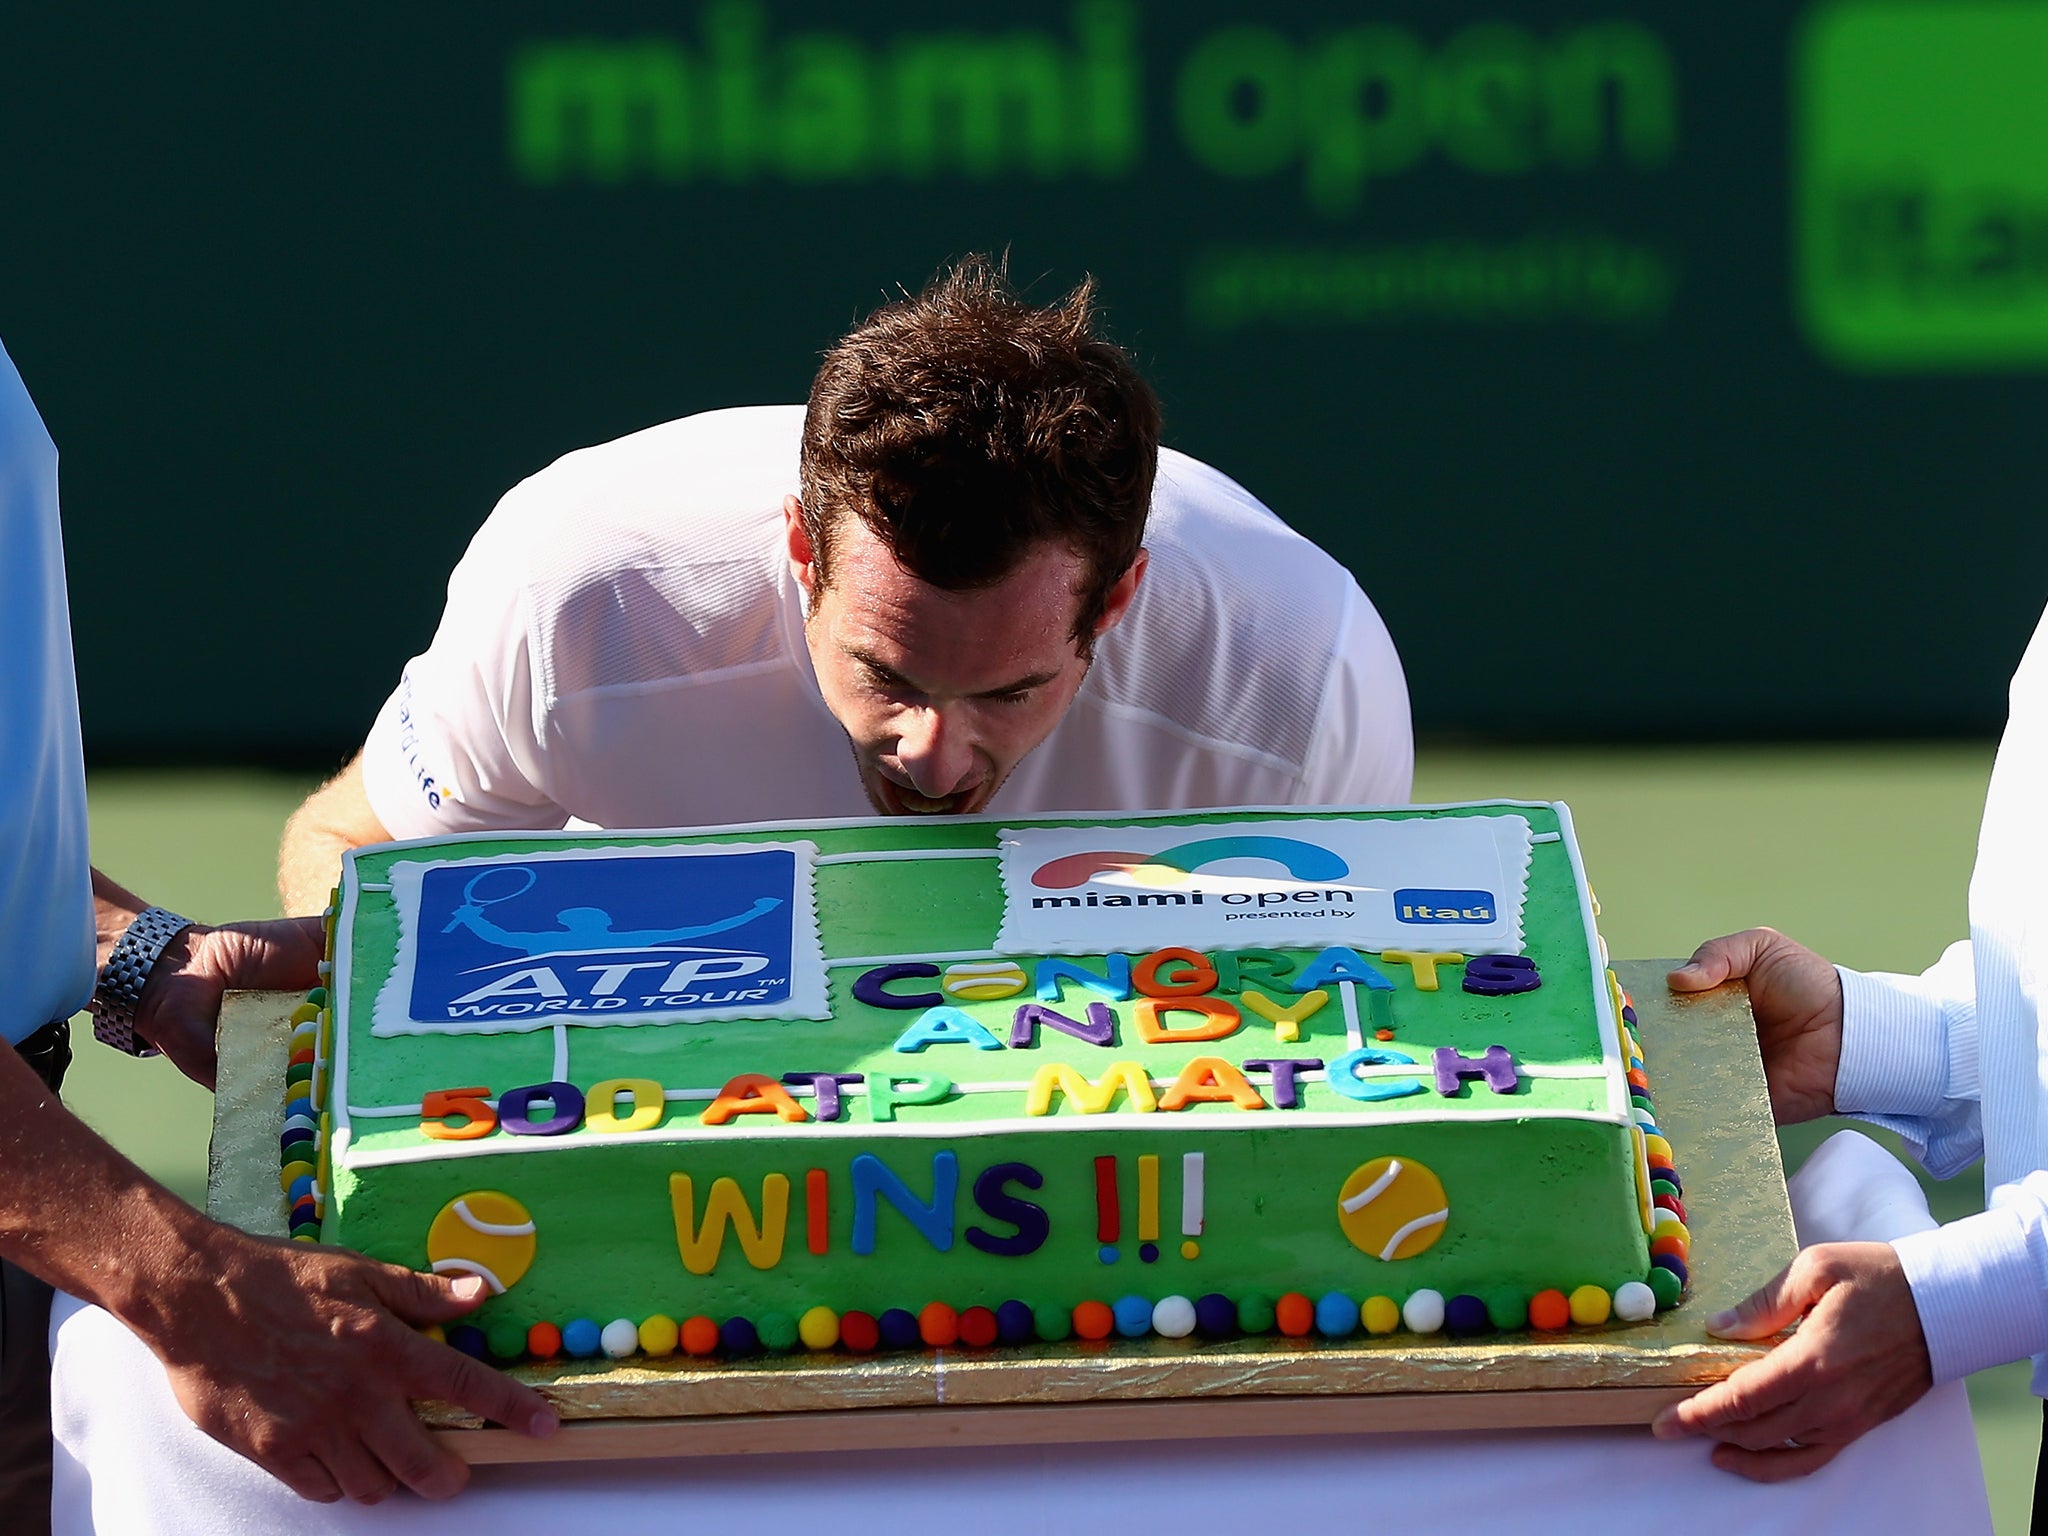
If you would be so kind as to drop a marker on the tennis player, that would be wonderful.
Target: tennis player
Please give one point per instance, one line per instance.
(963, 578)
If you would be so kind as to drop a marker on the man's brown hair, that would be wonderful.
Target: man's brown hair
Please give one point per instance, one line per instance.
(965, 427)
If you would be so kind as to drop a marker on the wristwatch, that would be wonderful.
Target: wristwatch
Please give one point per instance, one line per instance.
(122, 978)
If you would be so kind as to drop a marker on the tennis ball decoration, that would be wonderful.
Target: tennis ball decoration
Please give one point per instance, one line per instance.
(483, 1233)
(984, 982)
(1392, 1208)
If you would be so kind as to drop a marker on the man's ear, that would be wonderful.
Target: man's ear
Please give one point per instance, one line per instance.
(803, 560)
(1120, 595)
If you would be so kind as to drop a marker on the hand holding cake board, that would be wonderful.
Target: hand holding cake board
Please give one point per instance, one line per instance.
(873, 1084)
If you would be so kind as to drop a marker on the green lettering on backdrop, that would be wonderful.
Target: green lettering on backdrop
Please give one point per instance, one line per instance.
(742, 104)
(1370, 102)
(1340, 110)
(985, 97)
(605, 112)
(1550, 319)
(827, 107)
(1533, 279)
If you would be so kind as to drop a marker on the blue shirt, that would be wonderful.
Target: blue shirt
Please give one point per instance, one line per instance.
(1956, 1060)
(46, 923)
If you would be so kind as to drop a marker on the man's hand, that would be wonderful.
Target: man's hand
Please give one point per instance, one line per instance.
(302, 1359)
(1858, 1359)
(180, 1006)
(299, 1357)
(1797, 998)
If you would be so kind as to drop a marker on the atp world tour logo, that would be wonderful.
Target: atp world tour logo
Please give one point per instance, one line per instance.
(623, 936)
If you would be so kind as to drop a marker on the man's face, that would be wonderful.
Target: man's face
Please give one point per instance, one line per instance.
(941, 693)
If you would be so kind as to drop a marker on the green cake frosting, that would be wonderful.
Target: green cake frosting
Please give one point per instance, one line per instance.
(957, 1192)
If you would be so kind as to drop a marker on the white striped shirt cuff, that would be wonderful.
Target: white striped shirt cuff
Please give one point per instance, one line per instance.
(1895, 1048)
(1979, 1297)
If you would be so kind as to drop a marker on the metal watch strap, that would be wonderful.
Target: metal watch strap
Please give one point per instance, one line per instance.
(119, 988)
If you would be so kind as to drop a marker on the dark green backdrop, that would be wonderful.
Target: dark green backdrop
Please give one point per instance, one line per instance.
(1501, 302)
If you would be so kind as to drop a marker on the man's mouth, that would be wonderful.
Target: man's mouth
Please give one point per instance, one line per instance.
(909, 802)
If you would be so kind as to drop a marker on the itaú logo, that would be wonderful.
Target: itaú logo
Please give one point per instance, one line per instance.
(1179, 864)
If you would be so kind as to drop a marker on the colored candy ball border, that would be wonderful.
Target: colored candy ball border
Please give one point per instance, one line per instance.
(303, 1147)
(1662, 1193)
(938, 1325)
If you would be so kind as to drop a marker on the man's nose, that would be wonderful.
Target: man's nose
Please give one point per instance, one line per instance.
(935, 751)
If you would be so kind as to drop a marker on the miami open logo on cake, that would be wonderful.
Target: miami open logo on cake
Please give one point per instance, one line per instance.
(627, 936)
(1250, 884)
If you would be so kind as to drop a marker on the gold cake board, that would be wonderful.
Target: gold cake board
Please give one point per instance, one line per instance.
(1709, 1086)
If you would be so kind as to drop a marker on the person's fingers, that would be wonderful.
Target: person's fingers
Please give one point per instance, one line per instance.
(1718, 960)
(419, 1298)
(1773, 1306)
(1771, 1429)
(203, 1070)
(178, 1017)
(281, 952)
(1774, 1466)
(1708, 967)
(1751, 1392)
(307, 1478)
(411, 1454)
(194, 1052)
(1858, 1359)
(359, 1475)
(449, 1374)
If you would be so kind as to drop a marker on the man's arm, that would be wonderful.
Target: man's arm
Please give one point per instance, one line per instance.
(300, 1358)
(471, 916)
(654, 938)
(335, 818)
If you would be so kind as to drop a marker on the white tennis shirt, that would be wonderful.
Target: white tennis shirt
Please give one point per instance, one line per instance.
(623, 647)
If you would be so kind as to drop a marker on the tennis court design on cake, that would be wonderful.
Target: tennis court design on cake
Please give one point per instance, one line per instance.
(1043, 1073)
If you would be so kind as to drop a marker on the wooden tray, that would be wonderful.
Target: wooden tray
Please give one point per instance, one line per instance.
(1711, 1101)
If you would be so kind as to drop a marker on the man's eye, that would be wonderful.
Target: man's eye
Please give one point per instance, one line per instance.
(1012, 696)
(896, 690)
